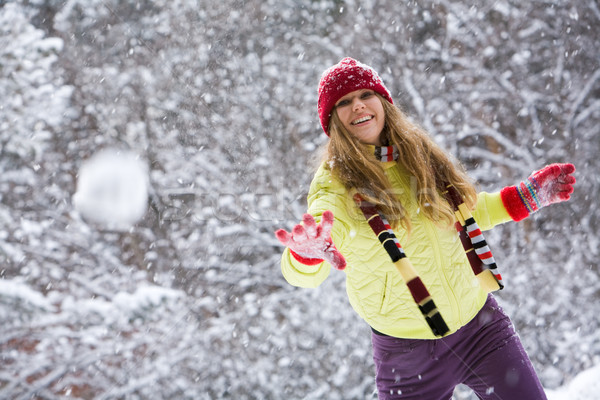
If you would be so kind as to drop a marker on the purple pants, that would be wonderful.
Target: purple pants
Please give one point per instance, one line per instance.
(486, 355)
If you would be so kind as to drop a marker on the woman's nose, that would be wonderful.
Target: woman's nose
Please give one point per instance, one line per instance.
(358, 105)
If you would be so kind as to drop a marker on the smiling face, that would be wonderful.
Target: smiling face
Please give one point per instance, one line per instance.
(362, 114)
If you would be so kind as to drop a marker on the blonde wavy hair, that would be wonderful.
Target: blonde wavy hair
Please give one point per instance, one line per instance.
(353, 163)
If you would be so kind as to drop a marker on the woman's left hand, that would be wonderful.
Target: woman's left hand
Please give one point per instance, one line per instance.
(551, 184)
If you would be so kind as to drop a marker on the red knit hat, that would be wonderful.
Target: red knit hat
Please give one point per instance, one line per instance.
(344, 77)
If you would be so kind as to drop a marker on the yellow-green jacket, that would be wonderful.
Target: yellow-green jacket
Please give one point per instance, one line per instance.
(374, 286)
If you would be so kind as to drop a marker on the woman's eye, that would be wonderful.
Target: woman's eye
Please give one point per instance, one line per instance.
(366, 95)
(343, 103)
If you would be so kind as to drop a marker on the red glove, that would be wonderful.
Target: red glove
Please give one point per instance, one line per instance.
(551, 184)
(311, 244)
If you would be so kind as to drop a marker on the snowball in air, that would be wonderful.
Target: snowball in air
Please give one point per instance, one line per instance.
(112, 189)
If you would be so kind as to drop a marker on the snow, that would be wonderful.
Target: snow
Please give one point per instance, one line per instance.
(584, 386)
(216, 113)
(123, 306)
(144, 297)
(112, 189)
(14, 291)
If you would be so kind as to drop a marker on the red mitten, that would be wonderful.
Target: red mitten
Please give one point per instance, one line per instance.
(311, 243)
(551, 184)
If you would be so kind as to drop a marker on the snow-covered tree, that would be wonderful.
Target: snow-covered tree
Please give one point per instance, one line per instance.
(219, 100)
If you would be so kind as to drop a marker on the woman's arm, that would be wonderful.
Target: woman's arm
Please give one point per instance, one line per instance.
(302, 275)
(490, 211)
(551, 184)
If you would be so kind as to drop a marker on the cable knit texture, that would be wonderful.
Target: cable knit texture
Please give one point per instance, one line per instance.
(342, 78)
(513, 204)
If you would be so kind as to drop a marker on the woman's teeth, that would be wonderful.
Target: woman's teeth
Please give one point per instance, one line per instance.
(361, 120)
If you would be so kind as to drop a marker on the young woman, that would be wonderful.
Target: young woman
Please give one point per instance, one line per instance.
(405, 223)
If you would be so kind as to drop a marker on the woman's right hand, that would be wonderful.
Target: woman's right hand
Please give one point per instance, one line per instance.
(311, 243)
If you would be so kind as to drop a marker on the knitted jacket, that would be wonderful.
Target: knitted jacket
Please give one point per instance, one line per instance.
(375, 288)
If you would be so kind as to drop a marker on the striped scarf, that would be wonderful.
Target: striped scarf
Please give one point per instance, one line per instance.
(419, 292)
(476, 248)
(386, 153)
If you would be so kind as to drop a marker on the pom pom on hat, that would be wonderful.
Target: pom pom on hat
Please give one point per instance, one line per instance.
(342, 78)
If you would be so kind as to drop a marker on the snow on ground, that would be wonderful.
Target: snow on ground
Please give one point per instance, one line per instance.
(585, 386)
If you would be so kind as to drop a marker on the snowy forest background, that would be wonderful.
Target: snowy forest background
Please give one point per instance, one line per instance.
(219, 99)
